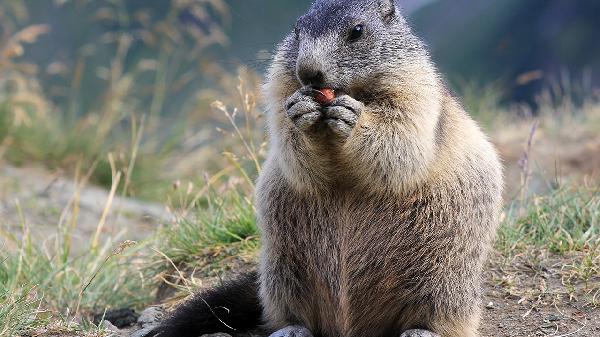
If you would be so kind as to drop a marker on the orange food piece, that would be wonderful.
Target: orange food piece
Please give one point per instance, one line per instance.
(325, 96)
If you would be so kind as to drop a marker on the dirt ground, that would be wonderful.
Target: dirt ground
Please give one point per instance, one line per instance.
(526, 299)
(42, 200)
(522, 299)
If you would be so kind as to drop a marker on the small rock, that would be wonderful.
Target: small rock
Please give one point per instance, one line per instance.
(490, 305)
(553, 318)
(143, 332)
(108, 326)
(151, 316)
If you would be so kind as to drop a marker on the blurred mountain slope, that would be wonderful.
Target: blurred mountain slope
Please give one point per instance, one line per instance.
(258, 25)
(472, 41)
(487, 40)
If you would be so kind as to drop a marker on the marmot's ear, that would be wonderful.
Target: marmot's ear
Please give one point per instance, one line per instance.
(387, 9)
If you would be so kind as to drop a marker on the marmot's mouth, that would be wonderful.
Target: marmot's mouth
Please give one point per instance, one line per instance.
(324, 96)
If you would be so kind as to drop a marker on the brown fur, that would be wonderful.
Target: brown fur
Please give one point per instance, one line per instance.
(387, 229)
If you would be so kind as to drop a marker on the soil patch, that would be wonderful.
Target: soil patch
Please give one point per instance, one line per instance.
(541, 299)
(41, 201)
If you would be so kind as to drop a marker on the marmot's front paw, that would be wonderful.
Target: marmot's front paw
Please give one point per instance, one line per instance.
(343, 114)
(303, 110)
(293, 331)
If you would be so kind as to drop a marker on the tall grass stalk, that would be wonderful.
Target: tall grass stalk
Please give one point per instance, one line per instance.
(37, 127)
(42, 283)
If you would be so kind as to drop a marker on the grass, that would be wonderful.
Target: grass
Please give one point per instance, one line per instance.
(19, 309)
(22, 314)
(216, 232)
(482, 101)
(56, 284)
(225, 223)
(40, 289)
(219, 238)
(564, 220)
(553, 238)
(551, 228)
(48, 118)
(557, 232)
(50, 286)
(45, 285)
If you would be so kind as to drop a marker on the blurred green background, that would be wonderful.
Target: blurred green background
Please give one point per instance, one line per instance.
(521, 45)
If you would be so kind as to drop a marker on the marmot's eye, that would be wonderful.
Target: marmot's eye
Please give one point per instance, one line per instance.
(356, 33)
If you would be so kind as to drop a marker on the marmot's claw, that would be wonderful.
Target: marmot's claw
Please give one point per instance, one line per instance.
(419, 333)
(349, 103)
(306, 120)
(303, 110)
(343, 114)
(293, 331)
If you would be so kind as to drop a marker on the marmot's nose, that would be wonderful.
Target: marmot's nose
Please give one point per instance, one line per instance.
(311, 76)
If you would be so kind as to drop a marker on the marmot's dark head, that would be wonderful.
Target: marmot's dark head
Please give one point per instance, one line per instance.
(351, 45)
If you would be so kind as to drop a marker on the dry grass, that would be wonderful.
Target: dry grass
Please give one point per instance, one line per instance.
(556, 238)
(552, 227)
(46, 288)
(50, 124)
(549, 242)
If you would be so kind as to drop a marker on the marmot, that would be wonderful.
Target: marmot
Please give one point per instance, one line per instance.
(377, 208)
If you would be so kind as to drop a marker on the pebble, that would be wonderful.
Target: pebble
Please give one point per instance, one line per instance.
(108, 326)
(151, 316)
(143, 332)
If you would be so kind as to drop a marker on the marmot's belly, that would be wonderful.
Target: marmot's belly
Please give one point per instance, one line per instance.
(342, 266)
(345, 286)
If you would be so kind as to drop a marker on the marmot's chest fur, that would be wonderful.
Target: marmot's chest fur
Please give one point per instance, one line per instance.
(350, 254)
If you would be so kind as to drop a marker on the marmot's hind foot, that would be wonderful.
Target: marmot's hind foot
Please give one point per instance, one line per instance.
(292, 331)
(419, 333)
